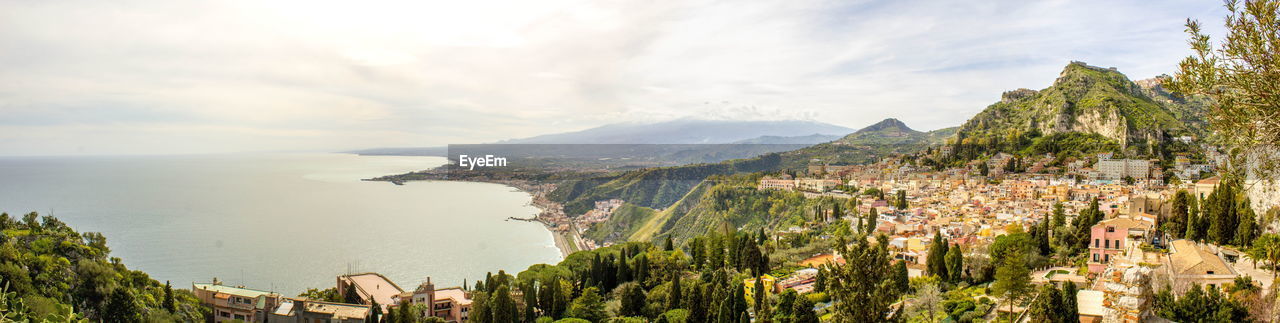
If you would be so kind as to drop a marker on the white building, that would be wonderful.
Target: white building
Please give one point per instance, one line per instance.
(1114, 169)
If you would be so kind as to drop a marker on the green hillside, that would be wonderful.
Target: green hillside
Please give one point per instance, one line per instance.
(659, 188)
(1084, 99)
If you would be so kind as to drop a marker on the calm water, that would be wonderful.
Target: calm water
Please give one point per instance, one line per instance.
(281, 222)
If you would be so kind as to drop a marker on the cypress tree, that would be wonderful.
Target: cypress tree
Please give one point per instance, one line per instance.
(633, 300)
(955, 263)
(168, 298)
(673, 296)
(803, 312)
(901, 278)
(503, 307)
(1070, 309)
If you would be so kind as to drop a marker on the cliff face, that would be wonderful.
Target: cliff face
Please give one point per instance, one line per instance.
(1083, 99)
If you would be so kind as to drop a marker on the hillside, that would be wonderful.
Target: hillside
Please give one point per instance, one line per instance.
(1085, 100)
(659, 188)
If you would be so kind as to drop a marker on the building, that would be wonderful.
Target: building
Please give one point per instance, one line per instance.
(371, 287)
(1115, 169)
(424, 295)
(801, 281)
(1192, 263)
(766, 280)
(302, 310)
(452, 304)
(1205, 186)
(784, 183)
(1110, 237)
(816, 184)
(235, 303)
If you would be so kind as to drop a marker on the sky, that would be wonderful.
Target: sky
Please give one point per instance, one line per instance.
(191, 77)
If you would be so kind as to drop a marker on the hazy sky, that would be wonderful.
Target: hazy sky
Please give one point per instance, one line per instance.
(168, 76)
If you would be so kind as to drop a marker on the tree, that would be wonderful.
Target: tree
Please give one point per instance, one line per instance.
(1012, 278)
(936, 263)
(1059, 215)
(864, 289)
(802, 311)
(375, 312)
(1181, 205)
(405, 312)
(122, 307)
(925, 301)
(168, 303)
(589, 306)
(869, 223)
(901, 277)
(1047, 306)
(901, 200)
(955, 263)
(1070, 308)
(1266, 248)
(673, 296)
(351, 297)
(633, 300)
(1239, 75)
(1199, 305)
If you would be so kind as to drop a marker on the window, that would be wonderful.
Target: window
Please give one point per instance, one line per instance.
(1209, 272)
(224, 314)
(1111, 229)
(1106, 258)
(1095, 243)
(240, 317)
(1118, 244)
(1108, 243)
(1095, 257)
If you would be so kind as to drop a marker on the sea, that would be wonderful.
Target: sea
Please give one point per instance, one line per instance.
(282, 222)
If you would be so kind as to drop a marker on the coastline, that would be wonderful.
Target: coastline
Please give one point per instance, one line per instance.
(551, 214)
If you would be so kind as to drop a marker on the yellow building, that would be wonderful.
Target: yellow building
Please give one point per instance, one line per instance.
(750, 284)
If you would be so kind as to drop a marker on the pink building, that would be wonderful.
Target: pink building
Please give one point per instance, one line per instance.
(1109, 238)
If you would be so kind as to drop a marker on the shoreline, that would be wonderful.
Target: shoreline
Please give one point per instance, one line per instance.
(565, 239)
(550, 214)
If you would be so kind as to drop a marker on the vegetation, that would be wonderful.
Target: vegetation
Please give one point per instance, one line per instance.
(49, 269)
(1239, 75)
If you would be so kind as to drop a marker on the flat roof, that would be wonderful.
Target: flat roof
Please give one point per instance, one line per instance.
(456, 294)
(238, 291)
(377, 287)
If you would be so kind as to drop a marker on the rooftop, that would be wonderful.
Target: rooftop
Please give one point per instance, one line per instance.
(376, 286)
(238, 291)
(455, 293)
(1189, 258)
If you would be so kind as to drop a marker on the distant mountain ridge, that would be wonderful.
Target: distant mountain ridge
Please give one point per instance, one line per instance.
(686, 131)
(682, 131)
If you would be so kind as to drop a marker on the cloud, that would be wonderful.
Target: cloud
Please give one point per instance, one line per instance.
(131, 76)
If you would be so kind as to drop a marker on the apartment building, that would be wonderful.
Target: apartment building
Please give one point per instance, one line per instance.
(452, 304)
(1110, 237)
(235, 302)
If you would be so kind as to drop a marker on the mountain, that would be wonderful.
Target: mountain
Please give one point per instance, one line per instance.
(786, 135)
(686, 131)
(816, 138)
(1084, 104)
(660, 187)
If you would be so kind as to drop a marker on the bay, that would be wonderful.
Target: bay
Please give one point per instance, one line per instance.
(281, 222)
